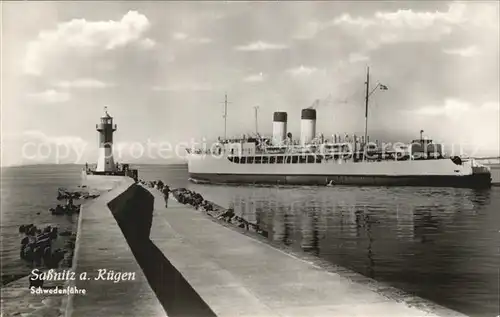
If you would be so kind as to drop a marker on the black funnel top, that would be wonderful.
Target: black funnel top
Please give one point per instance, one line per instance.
(280, 117)
(309, 114)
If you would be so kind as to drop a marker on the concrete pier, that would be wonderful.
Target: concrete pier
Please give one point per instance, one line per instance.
(186, 264)
(101, 244)
(237, 275)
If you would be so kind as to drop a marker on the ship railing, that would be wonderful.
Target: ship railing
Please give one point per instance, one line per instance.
(344, 152)
(90, 168)
(198, 151)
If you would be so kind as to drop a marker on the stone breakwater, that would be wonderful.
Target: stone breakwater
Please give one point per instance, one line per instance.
(47, 248)
(227, 215)
(18, 299)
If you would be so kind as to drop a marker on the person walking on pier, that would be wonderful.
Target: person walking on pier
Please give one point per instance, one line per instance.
(166, 192)
(160, 185)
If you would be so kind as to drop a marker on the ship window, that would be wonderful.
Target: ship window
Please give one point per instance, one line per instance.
(279, 159)
(272, 159)
(311, 159)
(265, 159)
(257, 160)
(319, 159)
(302, 159)
(243, 160)
(250, 160)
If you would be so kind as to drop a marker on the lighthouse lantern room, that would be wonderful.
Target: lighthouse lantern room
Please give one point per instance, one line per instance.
(105, 161)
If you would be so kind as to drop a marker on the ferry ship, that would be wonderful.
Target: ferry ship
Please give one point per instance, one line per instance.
(340, 160)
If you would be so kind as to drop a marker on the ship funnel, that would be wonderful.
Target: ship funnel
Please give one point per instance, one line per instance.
(307, 125)
(279, 127)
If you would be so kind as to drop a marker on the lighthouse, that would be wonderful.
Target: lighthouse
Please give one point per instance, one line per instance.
(105, 162)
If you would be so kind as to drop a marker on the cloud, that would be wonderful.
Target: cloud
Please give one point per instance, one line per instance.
(260, 46)
(463, 52)
(34, 146)
(184, 87)
(302, 71)
(310, 29)
(491, 106)
(474, 127)
(450, 108)
(80, 34)
(455, 108)
(179, 36)
(420, 20)
(50, 96)
(403, 25)
(152, 151)
(255, 78)
(203, 40)
(357, 57)
(83, 83)
(305, 70)
(147, 43)
(59, 140)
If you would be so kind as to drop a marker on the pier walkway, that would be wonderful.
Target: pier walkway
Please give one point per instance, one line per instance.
(237, 275)
(102, 245)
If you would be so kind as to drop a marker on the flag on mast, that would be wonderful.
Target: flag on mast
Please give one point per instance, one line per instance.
(383, 87)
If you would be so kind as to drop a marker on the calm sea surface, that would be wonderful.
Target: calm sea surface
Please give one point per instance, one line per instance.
(442, 244)
(26, 191)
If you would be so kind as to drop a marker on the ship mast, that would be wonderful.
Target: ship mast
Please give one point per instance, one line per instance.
(367, 96)
(225, 116)
(256, 119)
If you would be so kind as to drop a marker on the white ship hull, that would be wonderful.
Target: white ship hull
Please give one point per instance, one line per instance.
(438, 172)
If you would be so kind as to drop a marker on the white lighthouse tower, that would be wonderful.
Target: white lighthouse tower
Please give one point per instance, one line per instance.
(105, 161)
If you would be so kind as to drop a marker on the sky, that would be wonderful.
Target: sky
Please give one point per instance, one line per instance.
(162, 70)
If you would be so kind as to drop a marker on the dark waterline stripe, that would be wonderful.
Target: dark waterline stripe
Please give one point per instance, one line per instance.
(469, 181)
